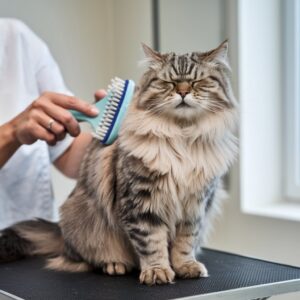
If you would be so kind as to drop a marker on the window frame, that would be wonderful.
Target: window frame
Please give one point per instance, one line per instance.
(291, 103)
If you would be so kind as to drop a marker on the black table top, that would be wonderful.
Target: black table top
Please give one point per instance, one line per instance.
(229, 274)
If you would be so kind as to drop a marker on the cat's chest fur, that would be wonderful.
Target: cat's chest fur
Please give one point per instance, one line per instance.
(185, 165)
(185, 160)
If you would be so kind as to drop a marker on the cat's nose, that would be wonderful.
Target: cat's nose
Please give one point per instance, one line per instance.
(182, 93)
(183, 88)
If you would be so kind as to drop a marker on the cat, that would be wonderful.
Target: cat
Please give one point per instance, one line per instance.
(146, 201)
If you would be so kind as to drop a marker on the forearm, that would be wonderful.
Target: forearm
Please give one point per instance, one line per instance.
(70, 161)
(9, 144)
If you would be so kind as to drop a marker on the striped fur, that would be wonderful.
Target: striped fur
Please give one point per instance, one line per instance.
(146, 201)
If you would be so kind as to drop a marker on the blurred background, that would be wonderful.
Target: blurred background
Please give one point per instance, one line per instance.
(94, 40)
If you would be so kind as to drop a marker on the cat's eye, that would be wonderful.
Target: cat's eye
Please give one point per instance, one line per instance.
(170, 82)
(196, 82)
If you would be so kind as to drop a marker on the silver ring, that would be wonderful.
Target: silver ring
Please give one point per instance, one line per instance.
(50, 123)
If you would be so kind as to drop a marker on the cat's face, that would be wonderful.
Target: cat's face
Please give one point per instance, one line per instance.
(186, 86)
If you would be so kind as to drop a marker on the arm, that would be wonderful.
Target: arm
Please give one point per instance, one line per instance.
(32, 124)
(8, 143)
(50, 108)
(69, 162)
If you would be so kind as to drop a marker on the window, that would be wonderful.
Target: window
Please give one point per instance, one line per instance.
(269, 149)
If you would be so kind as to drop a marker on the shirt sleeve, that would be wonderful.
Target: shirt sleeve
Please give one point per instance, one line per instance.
(57, 150)
(48, 74)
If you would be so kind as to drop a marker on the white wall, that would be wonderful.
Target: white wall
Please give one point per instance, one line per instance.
(191, 25)
(132, 26)
(78, 34)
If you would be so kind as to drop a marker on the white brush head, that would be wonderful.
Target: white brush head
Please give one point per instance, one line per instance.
(115, 94)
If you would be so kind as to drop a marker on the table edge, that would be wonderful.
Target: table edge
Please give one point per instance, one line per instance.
(9, 296)
(251, 292)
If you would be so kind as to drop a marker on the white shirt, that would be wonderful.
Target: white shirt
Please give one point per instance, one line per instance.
(27, 69)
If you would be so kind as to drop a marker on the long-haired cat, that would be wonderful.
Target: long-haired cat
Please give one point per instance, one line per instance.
(146, 200)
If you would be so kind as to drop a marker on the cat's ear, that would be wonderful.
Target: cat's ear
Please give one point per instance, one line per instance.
(153, 58)
(218, 55)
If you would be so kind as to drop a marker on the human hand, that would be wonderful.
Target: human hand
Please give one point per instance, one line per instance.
(48, 118)
(99, 94)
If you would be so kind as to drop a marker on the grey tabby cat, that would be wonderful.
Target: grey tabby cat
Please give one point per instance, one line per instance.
(146, 200)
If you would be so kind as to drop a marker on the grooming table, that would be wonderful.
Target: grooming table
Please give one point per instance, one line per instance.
(231, 277)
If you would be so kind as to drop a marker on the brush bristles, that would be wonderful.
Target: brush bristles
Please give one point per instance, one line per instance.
(115, 92)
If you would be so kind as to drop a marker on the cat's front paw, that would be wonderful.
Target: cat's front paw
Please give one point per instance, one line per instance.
(191, 269)
(115, 268)
(157, 275)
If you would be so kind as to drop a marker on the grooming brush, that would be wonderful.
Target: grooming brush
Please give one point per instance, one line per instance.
(112, 111)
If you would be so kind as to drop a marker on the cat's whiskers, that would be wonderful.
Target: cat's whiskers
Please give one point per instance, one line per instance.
(210, 104)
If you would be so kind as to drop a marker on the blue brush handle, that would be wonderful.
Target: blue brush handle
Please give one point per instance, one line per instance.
(94, 121)
(80, 117)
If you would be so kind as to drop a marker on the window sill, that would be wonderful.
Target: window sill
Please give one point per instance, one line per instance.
(280, 210)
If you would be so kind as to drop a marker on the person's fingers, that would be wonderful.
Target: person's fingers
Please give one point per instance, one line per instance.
(99, 94)
(63, 116)
(41, 133)
(58, 130)
(50, 124)
(61, 136)
(55, 127)
(71, 102)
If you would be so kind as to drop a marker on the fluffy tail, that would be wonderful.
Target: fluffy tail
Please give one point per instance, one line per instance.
(29, 238)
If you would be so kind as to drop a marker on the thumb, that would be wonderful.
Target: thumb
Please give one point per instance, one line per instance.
(99, 94)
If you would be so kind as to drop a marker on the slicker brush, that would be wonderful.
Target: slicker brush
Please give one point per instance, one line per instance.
(112, 111)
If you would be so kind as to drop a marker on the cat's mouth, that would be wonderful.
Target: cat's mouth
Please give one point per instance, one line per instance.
(182, 104)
